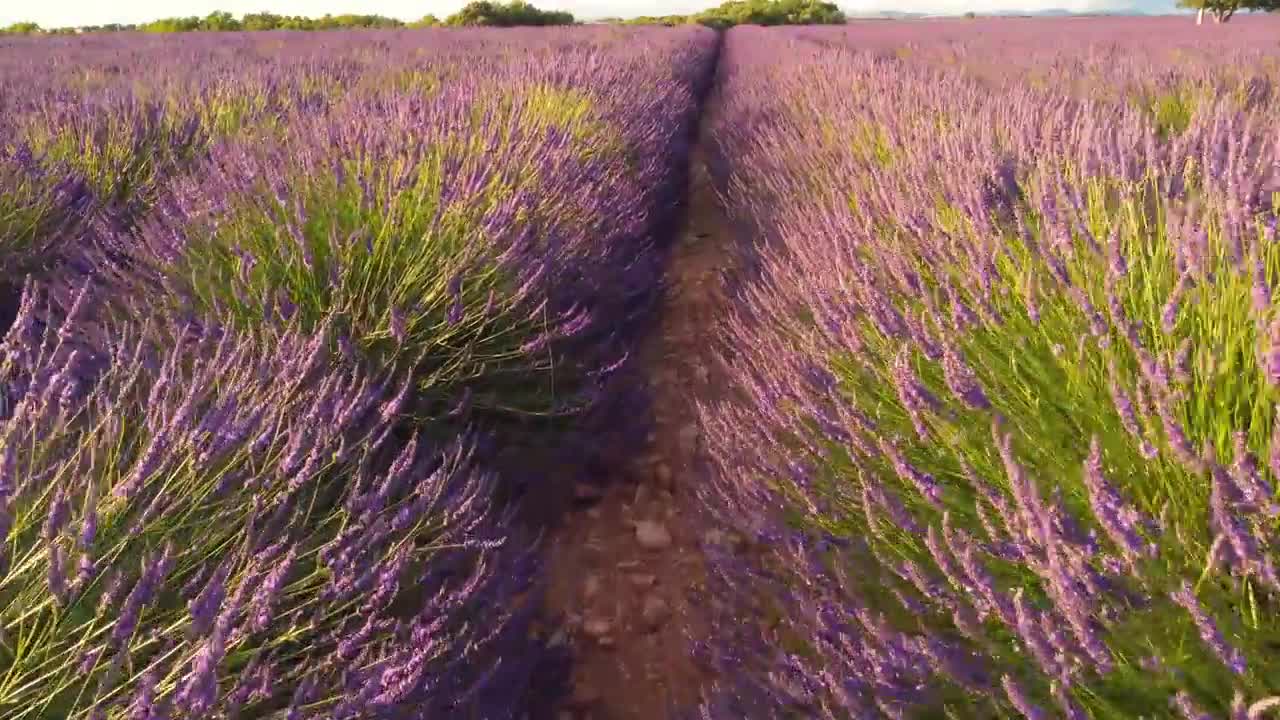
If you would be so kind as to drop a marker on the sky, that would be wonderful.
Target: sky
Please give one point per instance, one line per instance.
(62, 13)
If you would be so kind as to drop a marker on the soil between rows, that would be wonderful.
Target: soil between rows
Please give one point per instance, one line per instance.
(625, 569)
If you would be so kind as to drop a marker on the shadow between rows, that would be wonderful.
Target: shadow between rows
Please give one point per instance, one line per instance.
(549, 482)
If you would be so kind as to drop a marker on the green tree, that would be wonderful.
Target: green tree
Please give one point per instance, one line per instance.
(756, 12)
(23, 28)
(516, 13)
(220, 21)
(170, 25)
(425, 21)
(1223, 10)
(262, 21)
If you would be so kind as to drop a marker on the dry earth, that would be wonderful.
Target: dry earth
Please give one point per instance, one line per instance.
(626, 568)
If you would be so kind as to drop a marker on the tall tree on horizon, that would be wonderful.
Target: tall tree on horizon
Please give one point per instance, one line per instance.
(1223, 10)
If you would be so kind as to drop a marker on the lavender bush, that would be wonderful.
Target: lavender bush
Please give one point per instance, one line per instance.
(196, 524)
(38, 208)
(497, 235)
(1004, 388)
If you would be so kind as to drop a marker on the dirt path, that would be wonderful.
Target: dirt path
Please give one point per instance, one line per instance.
(626, 567)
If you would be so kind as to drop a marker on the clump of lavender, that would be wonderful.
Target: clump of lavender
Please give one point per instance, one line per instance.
(207, 523)
(1034, 481)
(495, 235)
(41, 205)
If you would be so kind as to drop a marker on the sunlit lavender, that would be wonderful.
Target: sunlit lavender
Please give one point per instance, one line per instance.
(1003, 403)
(269, 302)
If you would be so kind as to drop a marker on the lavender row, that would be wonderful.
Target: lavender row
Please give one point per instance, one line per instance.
(249, 392)
(500, 233)
(1003, 408)
(195, 524)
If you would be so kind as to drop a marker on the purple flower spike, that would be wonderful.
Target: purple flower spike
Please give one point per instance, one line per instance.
(961, 381)
(1021, 701)
(1208, 629)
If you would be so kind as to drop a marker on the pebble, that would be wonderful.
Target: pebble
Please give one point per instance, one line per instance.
(591, 587)
(597, 627)
(652, 535)
(643, 581)
(662, 472)
(655, 611)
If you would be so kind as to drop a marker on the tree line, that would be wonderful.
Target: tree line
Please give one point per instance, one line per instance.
(754, 12)
(479, 13)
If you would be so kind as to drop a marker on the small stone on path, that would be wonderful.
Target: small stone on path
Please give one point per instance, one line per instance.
(597, 627)
(591, 587)
(652, 535)
(655, 611)
(643, 581)
(662, 472)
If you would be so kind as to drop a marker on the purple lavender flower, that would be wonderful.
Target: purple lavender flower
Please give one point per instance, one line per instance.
(205, 606)
(58, 574)
(923, 482)
(961, 381)
(398, 331)
(268, 591)
(1208, 629)
(1261, 294)
(1187, 707)
(153, 573)
(915, 397)
(59, 515)
(1117, 518)
(200, 692)
(1269, 359)
(143, 705)
(1021, 701)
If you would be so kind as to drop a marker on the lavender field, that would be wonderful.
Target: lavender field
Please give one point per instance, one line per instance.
(896, 369)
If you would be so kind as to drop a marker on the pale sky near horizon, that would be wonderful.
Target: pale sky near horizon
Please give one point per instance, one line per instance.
(62, 13)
